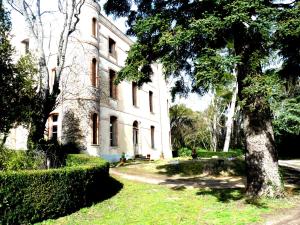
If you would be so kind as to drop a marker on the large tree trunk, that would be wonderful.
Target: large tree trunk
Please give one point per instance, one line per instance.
(229, 122)
(263, 177)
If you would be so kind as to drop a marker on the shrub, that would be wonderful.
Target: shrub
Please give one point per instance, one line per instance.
(183, 152)
(19, 160)
(30, 196)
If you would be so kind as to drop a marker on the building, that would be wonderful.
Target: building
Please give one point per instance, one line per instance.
(109, 120)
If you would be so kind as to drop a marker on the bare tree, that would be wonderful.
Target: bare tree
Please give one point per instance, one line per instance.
(46, 98)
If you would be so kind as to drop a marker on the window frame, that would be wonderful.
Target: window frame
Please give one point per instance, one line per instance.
(151, 101)
(95, 128)
(152, 131)
(113, 131)
(134, 89)
(94, 73)
(112, 47)
(113, 91)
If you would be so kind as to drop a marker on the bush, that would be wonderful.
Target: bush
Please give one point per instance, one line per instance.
(19, 160)
(30, 196)
(184, 152)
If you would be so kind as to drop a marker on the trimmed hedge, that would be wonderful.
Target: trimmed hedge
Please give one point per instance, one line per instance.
(30, 196)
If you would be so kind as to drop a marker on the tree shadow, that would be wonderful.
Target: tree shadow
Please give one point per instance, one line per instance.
(224, 195)
(290, 175)
(233, 194)
(106, 189)
(209, 166)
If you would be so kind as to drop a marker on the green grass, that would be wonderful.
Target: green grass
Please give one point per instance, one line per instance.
(144, 204)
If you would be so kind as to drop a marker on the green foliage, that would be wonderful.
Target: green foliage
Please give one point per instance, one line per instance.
(188, 129)
(230, 154)
(203, 153)
(19, 160)
(184, 152)
(16, 81)
(287, 117)
(83, 159)
(33, 195)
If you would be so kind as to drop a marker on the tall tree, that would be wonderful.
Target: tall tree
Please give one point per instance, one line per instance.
(16, 83)
(45, 97)
(188, 38)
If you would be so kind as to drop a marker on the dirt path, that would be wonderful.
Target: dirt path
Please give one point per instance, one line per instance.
(285, 217)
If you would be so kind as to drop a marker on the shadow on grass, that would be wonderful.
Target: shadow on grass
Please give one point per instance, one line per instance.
(196, 167)
(290, 176)
(224, 195)
(107, 189)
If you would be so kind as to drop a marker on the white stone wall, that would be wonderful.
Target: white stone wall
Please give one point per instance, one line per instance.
(79, 96)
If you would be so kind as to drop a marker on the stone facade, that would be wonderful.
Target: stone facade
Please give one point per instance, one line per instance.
(109, 120)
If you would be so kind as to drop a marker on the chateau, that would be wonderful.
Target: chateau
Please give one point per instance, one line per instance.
(106, 119)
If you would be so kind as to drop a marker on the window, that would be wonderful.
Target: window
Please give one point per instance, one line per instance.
(151, 101)
(135, 133)
(112, 47)
(53, 126)
(152, 136)
(95, 128)
(54, 118)
(94, 72)
(25, 46)
(112, 86)
(113, 131)
(94, 27)
(134, 93)
(52, 79)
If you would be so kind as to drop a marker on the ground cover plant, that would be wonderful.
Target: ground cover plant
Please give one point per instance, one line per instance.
(139, 203)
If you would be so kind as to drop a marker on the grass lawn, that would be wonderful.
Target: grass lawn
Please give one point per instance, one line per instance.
(138, 203)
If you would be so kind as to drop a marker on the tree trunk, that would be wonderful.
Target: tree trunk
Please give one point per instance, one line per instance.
(214, 133)
(229, 122)
(263, 177)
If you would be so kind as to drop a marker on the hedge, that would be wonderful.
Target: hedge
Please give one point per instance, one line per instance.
(30, 196)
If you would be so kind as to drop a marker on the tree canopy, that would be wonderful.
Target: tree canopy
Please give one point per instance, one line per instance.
(16, 83)
(206, 42)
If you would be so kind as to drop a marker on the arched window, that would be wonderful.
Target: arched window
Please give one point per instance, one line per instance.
(152, 136)
(95, 129)
(94, 27)
(135, 132)
(151, 101)
(94, 72)
(113, 131)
